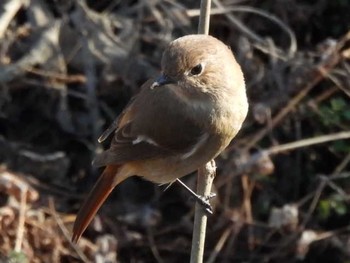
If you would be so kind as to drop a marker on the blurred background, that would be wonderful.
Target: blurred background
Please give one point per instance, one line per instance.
(67, 69)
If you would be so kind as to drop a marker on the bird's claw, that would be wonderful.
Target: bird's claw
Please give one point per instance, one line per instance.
(204, 202)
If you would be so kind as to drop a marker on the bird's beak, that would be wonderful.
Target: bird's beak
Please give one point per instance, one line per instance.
(162, 80)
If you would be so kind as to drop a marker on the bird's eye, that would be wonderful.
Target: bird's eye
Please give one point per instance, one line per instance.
(196, 70)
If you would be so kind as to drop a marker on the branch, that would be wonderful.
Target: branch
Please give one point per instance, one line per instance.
(206, 173)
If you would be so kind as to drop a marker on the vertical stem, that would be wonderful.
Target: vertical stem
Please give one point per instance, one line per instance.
(204, 17)
(206, 173)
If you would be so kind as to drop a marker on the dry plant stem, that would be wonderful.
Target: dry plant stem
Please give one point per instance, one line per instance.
(204, 18)
(220, 244)
(21, 220)
(321, 187)
(153, 246)
(308, 142)
(248, 187)
(10, 9)
(206, 175)
(39, 54)
(291, 105)
(318, 73)
(254, 159)
(260, 42)
(312, 208)
(65, 231)
(59, 77)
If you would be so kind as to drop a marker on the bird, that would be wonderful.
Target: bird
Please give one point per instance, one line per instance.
(176, 123)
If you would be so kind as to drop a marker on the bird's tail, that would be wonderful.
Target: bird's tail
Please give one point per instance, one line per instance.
(101, 190)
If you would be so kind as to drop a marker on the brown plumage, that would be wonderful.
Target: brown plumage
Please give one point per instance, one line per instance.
(177, 122)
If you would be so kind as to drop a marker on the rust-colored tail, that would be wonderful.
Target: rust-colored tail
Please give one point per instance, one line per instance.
(101, 190)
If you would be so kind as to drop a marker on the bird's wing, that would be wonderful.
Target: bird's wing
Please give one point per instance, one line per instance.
(114, 125)
(154, 124)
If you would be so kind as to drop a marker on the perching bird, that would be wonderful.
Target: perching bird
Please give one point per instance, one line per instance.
(176, 123)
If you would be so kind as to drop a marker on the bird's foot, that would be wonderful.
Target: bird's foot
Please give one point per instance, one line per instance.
(202, 200)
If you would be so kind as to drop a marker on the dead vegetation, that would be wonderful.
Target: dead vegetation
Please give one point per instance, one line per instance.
(67, 68)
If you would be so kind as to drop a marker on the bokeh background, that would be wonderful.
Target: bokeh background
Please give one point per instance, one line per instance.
(67, 69)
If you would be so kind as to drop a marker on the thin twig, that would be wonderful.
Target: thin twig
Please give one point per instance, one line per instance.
(204, 18)
(153, 246)
(321, 187)
(206, 173)
(309, 142)
(255, 158)
(318, 73)
(317, 194)
(248, 9)
(65, 231)
(57, 76)
(220, 244)
(38, 54)
(21, 220)
(10, 9)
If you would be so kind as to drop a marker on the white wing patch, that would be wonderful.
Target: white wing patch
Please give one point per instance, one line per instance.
(195, 148)
(144, 138)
